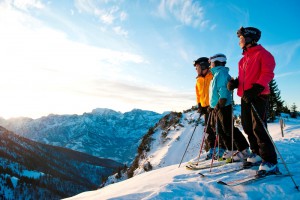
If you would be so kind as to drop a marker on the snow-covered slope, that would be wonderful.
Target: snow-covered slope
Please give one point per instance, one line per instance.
(169, 181)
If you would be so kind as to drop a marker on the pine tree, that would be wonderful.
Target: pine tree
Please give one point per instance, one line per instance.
(275, 102)
(294, 111)
(286, 109)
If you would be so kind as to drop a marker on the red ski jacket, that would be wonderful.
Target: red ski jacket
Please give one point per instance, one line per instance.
(257, 66)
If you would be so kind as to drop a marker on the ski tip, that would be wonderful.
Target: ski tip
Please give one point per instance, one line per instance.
(202, 175)
(229, 160)
(222, 183)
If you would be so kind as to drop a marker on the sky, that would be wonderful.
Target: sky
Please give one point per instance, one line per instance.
(169, 181)
(72, 56)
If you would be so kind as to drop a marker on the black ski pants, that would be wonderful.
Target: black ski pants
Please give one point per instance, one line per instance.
(224, 120)
(260, 142)
(211, 134)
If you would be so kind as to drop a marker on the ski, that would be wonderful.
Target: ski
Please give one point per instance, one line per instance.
(229, 170)
(251, 179)
(200, 162)
(243, 166)
(205, 166)
(219, 172)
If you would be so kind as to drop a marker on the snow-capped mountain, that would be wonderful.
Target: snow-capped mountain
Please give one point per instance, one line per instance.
(103, 132)
(33, 170)
(156, 173)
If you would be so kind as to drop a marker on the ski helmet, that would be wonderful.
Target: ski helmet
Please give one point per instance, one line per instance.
(250, 34)
(203, 62)
(218, 57)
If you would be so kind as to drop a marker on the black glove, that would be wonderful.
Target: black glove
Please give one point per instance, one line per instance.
(200, 108)
(221, 103)
(252, 93)
(232, 84)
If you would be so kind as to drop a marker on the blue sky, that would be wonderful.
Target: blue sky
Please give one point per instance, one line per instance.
(69, 57)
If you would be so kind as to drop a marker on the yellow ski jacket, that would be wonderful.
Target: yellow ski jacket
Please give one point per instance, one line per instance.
(202, 89)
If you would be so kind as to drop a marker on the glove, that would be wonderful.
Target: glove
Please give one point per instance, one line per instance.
(200, 108)
(221, 103)
(252, 93)
(232, 84)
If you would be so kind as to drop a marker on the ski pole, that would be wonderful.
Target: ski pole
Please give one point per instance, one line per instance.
(232, 126)
(281, 126)
(208, 121)
(284, 163)
(190, 140)
(217, 140)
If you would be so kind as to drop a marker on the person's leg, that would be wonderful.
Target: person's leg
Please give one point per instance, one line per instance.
(246, 118)
(224, 116)
(210, 135)
(266, 147)
(238, 138)
(210, 132)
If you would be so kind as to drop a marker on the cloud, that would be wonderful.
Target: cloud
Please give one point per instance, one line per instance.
(283, 53)
(287, 74)
(118, 30)
(26, 4)
(140, 95)
(41, 67)
(107, 11)
(123, 16)
(186, 11)
(241, 14)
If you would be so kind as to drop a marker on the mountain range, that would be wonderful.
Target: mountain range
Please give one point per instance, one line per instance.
(103, 132)
(33, 170)
(56, 156)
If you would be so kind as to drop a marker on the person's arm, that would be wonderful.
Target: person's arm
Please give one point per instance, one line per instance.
(267, 69)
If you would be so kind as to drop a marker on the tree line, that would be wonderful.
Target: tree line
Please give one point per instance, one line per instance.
(276, 104)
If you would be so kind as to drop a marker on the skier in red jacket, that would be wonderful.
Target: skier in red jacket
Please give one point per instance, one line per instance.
(256, 70)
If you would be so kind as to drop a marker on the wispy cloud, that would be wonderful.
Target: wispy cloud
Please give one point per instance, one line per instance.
(108, 12)
(188, 12)
(284, 53)
(26, 4)
(287, 74)
(118, 30)
(241, 14)
(140, 95)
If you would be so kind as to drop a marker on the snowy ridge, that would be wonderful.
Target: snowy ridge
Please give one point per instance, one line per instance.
(167, 181)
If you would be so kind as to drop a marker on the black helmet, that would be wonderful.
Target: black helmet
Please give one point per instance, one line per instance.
(203, 62)
(250, 34)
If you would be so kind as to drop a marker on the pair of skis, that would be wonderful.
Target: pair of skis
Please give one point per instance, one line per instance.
(252, 178)
(244, 180)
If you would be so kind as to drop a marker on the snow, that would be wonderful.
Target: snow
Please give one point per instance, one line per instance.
(169, 181)
(14, 181)
(32, 174)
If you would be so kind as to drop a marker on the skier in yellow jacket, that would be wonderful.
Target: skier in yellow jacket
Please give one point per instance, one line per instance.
(202, 93)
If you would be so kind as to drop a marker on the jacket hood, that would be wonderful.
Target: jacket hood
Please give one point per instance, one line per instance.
(218, 69)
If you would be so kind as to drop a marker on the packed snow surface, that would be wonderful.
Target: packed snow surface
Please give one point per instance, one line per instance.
(169, 181)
